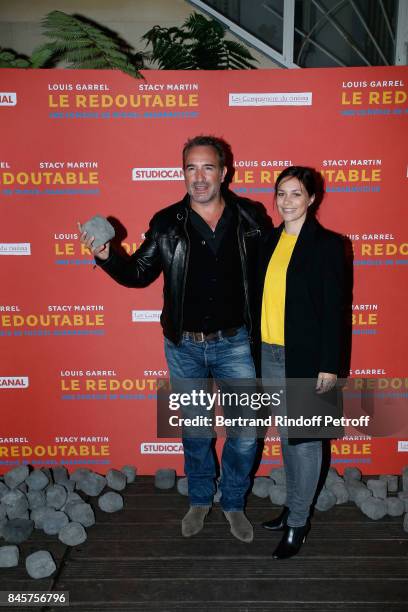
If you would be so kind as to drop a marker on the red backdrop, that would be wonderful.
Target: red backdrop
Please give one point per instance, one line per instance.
(79, 353)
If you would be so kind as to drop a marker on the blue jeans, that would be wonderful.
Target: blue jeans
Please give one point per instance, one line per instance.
(302, 461)
(221, 358)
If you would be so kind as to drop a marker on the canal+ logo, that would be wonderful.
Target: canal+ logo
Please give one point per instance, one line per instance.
(8, 98)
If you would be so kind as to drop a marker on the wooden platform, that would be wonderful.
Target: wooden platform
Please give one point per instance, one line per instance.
(137, 560)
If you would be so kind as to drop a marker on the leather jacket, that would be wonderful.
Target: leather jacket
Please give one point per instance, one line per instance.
(166, 249)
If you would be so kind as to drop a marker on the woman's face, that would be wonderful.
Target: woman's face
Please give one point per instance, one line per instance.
(293, 200)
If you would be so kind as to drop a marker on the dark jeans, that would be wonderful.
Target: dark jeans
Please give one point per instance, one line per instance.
(222, 358)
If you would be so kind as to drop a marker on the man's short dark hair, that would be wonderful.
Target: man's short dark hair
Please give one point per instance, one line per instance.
(206, 141)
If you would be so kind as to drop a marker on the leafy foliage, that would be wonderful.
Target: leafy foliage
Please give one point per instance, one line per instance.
(199, 44)
(82, 43)
(10, 59)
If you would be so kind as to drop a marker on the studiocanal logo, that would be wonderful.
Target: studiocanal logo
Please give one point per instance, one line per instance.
(8, 98)
(157, 174)
(14, 382)
(161, 448)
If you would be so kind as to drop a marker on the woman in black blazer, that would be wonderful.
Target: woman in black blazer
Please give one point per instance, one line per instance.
(301, 311)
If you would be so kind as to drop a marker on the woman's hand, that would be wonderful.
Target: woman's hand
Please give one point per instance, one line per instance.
(325, 382)
(102, 251)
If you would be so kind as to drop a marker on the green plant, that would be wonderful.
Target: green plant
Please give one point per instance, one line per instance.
(10, 59)
(77, 42)
(80, 43)
(199, 44)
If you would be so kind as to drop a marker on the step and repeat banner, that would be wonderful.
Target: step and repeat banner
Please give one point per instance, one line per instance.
(80, 355)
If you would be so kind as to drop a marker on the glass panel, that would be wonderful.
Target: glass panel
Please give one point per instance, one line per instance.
(330, 33)
(262, 18)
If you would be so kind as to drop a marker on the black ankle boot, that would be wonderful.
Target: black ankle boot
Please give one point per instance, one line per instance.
(291, 542)
(278, 523)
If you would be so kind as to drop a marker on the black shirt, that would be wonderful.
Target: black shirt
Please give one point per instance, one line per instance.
(214, 294)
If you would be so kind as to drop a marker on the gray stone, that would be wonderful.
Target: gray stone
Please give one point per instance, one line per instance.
(326, 500)
(165, 478)
(340, 491)
(405, 523)
(3, 489)
(16, 503)
(72, 534)
(81, 513)
(116, 480)
(16, 476)
(72, 498)
(332, 478)
(40, 564)
(78, 475)
(353, 486)
(69, 485)
(99, 227)
(17, 530)
(9, 556)
(392, 482)
(403, 496)
(378, 487)
(262, 486)
(3, 523)
(22, 487)
(352, 473)
(3, 511)
(277, 494)
(374, 508)
(37, 480)
(395, 506)
(130, 472)
(278, 475)
(110, 502)
(60, 474)
(405, 478)
(54, 521)
(36, 499)
(56, 496)
(91, 484)
(361, 495)
(182, 485)
(38, 515)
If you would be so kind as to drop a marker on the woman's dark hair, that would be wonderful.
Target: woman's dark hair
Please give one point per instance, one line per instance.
(305, 175)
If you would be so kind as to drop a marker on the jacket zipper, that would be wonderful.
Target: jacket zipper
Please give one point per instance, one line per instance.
(185, 274)
(242, 249)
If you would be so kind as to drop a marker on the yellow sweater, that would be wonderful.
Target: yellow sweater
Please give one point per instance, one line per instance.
(273, 300)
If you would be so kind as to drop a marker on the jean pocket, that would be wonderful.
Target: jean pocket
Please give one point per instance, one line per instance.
(240, 337)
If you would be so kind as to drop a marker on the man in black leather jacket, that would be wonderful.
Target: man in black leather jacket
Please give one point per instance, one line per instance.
(206, 247)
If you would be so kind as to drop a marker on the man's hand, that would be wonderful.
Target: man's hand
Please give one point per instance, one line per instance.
(102, 252)
(325, 382)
